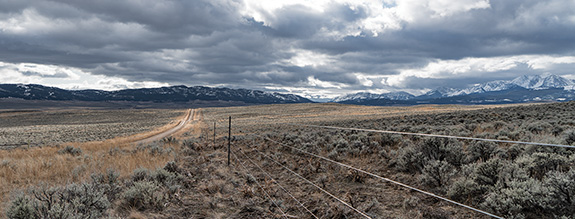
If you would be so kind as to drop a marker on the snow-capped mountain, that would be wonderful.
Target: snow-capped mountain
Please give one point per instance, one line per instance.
(371, 96)
(537, 82)
(520, 89)
(534, 82)
(163, 94)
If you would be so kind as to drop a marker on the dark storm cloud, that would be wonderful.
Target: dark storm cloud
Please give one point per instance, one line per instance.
(206, 42)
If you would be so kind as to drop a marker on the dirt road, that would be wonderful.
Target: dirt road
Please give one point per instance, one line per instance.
(189, 117)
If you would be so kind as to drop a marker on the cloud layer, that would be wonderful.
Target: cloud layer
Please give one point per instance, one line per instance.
(318, 48)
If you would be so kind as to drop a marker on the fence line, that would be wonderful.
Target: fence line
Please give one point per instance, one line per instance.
(385, 179)
(262, 188)
(434, 135)
(269, 175)
(310, 182)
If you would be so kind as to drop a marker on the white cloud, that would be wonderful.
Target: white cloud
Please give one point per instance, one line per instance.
(364, 79)
(304, 58)
(547, 62)
(381, 16)
(468, 67)
(312, 81)
(65, 77)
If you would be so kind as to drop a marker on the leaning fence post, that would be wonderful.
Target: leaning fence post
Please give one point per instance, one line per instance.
(229, 139)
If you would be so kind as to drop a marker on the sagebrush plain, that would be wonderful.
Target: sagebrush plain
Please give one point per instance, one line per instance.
(187, 176)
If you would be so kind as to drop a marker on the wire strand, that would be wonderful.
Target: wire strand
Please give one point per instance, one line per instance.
(275, 181)
(386, 179)
(310, 182)
(434, 135)
(259, 185)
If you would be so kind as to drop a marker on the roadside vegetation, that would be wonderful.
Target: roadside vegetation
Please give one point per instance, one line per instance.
(74, 162)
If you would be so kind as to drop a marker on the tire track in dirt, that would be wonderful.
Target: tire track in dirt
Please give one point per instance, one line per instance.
(191, 115)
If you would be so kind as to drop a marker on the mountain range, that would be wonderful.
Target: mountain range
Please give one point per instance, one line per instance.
(163, 94)
(521, 89)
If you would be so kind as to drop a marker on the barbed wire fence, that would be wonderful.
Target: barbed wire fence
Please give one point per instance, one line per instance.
(471, 208)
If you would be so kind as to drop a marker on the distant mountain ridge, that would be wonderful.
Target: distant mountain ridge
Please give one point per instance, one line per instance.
(534, 82)
(371, 96)
(521, 89)
(163, 94)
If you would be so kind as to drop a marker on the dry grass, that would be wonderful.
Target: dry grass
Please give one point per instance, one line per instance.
(24, 167)
(257, 118)
(50, 128)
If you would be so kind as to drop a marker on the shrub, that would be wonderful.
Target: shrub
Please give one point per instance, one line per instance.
(437, 174)
(143, 195)
(453, 153)
(570, 137)
(510, 172)
(480, 150)
(387, 140)
(557, 130)
(108, 183)
(487, 173)
(466, 190)
(154, 148)
(169, 140)
(86, 200)
(163, 177)
(71, 150)
(341, 144)
(539, 127)
(192, 144)
(20, 208)
(172, 167)
(561, 192)
(409, 159)
(521, 197)
(515, 150)
(140, 174)
(431, 148)
(539, 163)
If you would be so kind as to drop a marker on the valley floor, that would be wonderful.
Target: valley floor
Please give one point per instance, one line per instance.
(271, 148)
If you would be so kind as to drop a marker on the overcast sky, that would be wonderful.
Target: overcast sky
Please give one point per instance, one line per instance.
(315, 48)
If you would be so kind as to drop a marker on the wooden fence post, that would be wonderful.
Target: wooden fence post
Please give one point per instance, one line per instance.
(229, 139)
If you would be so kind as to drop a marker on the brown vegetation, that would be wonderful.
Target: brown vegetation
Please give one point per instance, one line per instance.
(52, 128)
(56, 165)
(506, 179)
